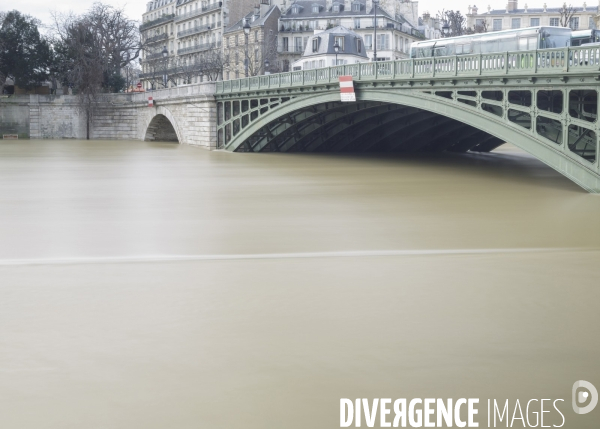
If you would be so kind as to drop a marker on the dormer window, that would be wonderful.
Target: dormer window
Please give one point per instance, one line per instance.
(296, 9)
(336, 7)
(356, 7)
(315, 44)
(315, 8)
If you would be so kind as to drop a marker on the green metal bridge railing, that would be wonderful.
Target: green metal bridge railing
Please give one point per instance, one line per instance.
(560, 61)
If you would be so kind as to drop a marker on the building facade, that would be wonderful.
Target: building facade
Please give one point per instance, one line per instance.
(177, 35)
(512, 17)
(321, 51)
(398, 25)
(260, 54)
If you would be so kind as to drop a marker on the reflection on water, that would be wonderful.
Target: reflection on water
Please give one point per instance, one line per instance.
(143, 337)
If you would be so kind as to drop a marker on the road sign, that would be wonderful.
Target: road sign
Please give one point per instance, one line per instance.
(347, 89)
(139, 85)
(150, 102)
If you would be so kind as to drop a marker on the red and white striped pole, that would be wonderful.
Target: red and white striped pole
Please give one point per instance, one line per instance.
(347, 89)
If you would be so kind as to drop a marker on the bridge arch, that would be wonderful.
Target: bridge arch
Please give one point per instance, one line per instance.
(161, 126)
(494, 129)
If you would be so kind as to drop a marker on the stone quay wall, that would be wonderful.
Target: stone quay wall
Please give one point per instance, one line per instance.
(190, 110)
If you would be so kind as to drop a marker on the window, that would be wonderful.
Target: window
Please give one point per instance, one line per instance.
(315, 44)
(534, 22)
(480, 23)
(497, 25)
(554, 22)
(298, 44)
(574, 23)
(336, 7)
(356, 7)
(315, 8)
(358, 45)
(515, 23)
(368, 41)
(340, 42)
(356, 22)
(295, 9)
(383, 41)
(592, 23)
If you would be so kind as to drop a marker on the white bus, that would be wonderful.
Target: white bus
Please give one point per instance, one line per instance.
(522, 39)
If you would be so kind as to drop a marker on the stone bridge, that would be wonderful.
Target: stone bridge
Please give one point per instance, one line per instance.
(544, 102)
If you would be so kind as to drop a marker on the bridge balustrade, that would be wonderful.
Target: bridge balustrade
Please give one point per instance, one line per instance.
(526, 63)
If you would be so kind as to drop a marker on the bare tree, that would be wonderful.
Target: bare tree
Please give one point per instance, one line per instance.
(189, 69)
(214, 62)
(2, 48)
(91, 50)
(566, 14)
(258, 54)
(481, 26)
(455, 20)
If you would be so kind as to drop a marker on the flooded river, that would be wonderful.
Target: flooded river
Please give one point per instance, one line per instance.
(148, 285)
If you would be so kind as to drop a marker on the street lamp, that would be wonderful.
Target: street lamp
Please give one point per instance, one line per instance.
(336, 48)
(165, 54)
(446, 29)
(246, 33)
(267, 64)
(375, 3)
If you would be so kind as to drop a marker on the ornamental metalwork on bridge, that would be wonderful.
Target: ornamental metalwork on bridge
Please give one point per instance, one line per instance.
(543, 101)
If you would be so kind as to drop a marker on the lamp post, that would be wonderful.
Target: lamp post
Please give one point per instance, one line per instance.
(267, 64)
(375, 3)
(165, 54)
(336, 48)
(246, 34)
(446, 29)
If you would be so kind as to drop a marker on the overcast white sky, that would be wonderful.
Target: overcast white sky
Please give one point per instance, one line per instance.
(41, 8)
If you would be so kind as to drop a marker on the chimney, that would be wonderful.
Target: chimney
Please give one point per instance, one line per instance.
(328, 4)
(265, 5)
(474, 10)
(512, 5)
(347, 5)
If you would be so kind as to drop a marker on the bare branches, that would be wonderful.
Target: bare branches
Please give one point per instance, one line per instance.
(258, 54)
(566, 14)
(91, 51)
(455, 20)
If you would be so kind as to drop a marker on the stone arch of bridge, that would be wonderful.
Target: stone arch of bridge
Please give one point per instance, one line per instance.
(161, 125)
(480, 124)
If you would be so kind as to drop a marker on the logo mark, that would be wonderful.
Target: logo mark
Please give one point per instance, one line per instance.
(585, 397)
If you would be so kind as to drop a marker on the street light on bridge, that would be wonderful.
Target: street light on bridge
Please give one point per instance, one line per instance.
(336, 48)
(165, 54)
(246, 34)
(375, 3)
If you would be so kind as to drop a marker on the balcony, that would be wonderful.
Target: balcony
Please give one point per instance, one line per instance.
(194, 30)
(157, 38)
(153, 56)
(299, 28)
(198, 11)
(157, 21)
(290, 50)
(198, 48)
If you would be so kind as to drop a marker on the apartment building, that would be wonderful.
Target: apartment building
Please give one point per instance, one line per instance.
(513, 17)
(176, 33)
(261, 52)
(397, 26)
